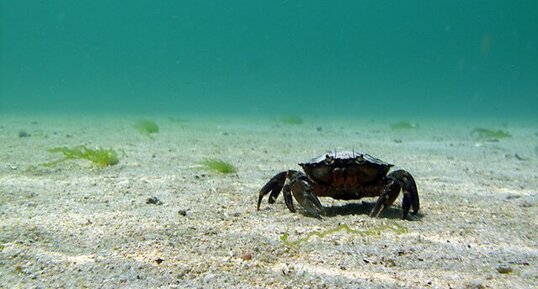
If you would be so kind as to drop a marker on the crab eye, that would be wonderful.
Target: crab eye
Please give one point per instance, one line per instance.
(329, 159)
(359, 159)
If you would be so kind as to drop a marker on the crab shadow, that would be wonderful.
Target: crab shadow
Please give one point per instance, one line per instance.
(364, 208)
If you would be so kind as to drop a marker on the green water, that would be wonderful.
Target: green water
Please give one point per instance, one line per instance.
(332, 58)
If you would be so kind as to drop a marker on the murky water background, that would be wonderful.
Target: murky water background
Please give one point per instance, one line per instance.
(411, 59)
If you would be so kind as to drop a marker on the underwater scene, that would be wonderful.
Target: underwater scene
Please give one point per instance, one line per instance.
(268, 144)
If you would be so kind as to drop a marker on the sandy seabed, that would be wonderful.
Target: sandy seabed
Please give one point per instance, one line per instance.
(73, 225)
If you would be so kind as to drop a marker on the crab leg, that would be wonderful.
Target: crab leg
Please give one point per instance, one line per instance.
(409, 187)
(387, 197)
(288, 197)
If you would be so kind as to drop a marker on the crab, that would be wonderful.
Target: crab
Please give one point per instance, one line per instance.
(344, 176)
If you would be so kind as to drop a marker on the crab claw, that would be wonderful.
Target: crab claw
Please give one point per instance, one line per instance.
(274, 186)
(293, 184)
(396, 181)
(303, 192)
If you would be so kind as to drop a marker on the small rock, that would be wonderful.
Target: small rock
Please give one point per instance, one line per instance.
(287, 269)
(388, 262)
(504, 269)
(182, 212)
(526, 205)
(246, 257)
(475, 285)
(154, 201)
(209, 277)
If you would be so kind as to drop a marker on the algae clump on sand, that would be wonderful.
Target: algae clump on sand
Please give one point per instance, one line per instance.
(100, 157)
(292, 119)
(218, 165)
(147, 127)
(402, 125)
(375, 231)
(492, 134)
